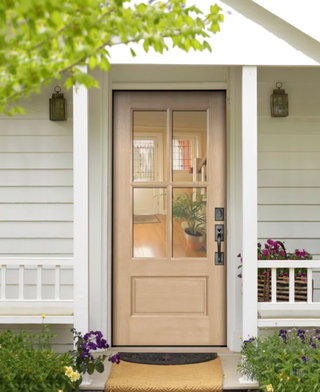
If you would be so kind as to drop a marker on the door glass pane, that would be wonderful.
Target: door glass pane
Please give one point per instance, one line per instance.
(189, 145)
(149, 222)
(149, 142)
(189, 222)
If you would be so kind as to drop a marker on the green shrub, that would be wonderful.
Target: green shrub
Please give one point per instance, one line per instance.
(287, 361)
(27, 363)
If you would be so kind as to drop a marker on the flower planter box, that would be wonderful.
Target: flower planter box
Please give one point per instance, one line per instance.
(265, 291)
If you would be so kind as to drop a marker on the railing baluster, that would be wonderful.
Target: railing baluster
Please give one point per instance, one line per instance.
(309, 285)
(273, 285)
(39, 282)
(3, 281)
(291, 285)
(57, 283)
(21, 282)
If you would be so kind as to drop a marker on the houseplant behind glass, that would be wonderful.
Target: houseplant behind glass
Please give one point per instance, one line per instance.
(191, 209)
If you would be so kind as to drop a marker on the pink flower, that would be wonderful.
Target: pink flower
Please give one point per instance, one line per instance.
(239, 255)
(265, 253)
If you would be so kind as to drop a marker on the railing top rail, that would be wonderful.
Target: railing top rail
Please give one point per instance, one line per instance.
(288, 264)
(30, 261)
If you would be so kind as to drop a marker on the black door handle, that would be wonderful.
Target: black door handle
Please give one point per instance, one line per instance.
(219, 248)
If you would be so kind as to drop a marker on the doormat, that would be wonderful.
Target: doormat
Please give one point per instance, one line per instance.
(167, 358)
(136, 377)
(145, 219)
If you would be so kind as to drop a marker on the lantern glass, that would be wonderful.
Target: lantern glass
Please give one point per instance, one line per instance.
(279, 102)
(58, 106)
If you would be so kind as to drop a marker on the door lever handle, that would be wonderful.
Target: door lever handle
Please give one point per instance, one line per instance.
(219, 236)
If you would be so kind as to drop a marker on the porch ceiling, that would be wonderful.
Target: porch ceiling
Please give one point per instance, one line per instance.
(277, 26)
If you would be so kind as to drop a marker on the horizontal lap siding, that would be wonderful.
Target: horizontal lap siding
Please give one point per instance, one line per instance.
(36, 182)
(61, 343)
(289, 162)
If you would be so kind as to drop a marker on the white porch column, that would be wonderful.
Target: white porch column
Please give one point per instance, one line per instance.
(81, 208)
(249, 200)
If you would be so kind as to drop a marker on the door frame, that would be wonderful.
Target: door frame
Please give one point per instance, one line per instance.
(233, 135)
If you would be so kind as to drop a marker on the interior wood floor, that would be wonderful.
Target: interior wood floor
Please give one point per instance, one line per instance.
(150, 240)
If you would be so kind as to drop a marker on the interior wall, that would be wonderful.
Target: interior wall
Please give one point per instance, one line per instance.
(289, 162)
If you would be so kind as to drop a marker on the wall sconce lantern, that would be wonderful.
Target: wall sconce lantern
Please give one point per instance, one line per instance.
(279, 102)
(57, 106)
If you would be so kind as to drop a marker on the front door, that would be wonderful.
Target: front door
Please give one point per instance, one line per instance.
(169, 194)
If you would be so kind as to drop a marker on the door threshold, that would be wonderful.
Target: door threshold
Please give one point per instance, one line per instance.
(221, 351)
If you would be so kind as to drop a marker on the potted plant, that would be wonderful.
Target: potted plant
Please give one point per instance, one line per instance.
(191, 210)
(275, 250)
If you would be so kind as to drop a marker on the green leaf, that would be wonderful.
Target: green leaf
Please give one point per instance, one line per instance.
(93, 62)
(99, 367)
(146, 45)
(187, 44)
(56, 17)
(215, 27)
(141, 8)
(91, 368)
(133, 53)
(214, 9)
(104, 63)
(206, 45)
(196, 45)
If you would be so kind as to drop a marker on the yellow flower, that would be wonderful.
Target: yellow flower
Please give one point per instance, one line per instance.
(43, 316)
(269, 388)
(288, 378)
(68, 370)
(281, 379)
(240, 337)
(75, 376)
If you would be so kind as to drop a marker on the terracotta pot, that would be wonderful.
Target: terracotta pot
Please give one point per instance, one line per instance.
(194, 242)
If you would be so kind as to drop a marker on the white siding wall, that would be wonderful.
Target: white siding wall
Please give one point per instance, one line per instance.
(289, 161)
(62, 342)
(36, 210)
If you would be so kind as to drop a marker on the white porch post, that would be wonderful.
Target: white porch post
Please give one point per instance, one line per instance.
(81, 208)
(249, 200)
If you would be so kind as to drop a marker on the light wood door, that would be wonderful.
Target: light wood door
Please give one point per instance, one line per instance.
(167, 288)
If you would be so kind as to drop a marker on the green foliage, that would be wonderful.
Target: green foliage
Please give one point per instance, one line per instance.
(192, 209)
(40, 40)
(287, 361)
(24, 366)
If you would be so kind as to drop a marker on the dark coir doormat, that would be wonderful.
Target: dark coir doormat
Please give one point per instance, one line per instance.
(167, 358)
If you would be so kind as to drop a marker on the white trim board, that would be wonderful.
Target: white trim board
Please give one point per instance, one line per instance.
(106, 190)
(170, 86)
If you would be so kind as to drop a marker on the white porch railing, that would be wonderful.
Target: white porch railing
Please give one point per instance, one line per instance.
(289, 313)
(22, 310)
